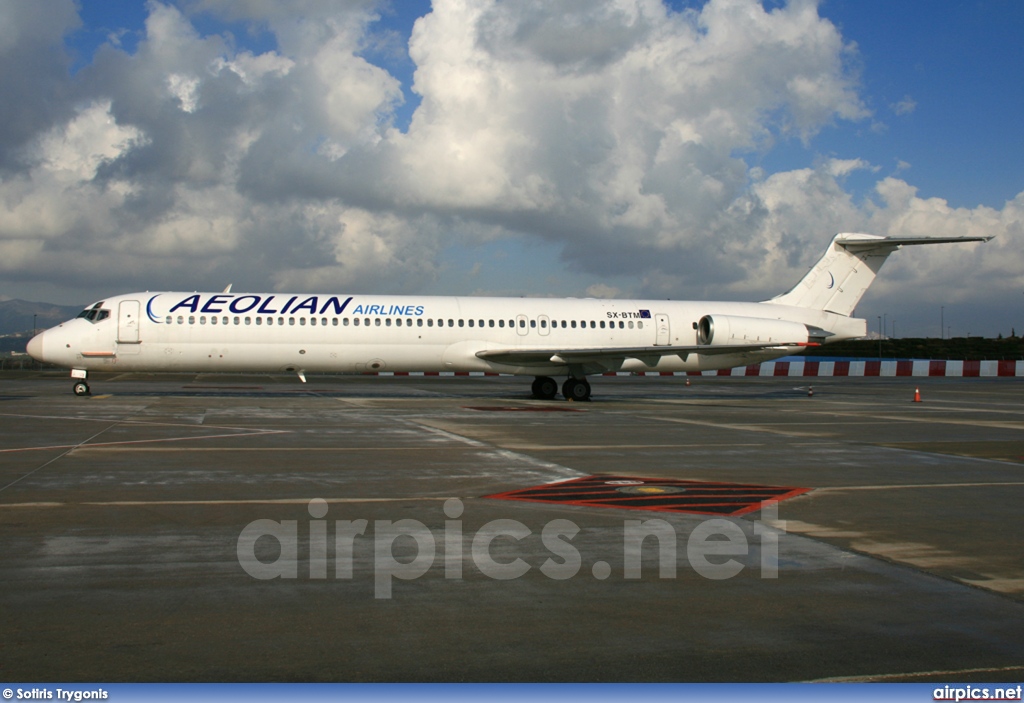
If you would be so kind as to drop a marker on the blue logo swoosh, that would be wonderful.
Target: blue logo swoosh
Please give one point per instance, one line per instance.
(149, 310)
(832, 281)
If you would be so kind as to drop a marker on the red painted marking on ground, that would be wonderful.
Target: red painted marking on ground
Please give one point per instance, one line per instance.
(678, 496)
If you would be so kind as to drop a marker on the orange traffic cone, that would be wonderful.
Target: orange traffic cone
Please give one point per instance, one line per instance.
(687, 381)
(810, 391)
(917, 395)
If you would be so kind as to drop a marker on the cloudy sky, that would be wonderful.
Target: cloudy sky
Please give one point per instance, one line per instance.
(619, 148)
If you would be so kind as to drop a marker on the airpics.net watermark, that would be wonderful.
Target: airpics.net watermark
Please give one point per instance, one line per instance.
(710, 547)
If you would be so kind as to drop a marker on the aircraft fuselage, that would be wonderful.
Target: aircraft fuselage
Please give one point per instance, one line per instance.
(351, 334)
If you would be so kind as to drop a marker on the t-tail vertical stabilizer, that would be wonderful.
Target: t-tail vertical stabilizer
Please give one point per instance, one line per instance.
(841, 277)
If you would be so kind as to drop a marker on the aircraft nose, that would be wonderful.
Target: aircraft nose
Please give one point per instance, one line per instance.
(35, 347)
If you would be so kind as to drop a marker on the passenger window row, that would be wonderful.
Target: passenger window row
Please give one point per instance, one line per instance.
(399, 322)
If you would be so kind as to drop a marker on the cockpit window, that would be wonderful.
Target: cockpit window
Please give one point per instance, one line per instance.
(95, 313)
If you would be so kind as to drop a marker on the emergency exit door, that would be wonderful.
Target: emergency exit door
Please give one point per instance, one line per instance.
(664, 337)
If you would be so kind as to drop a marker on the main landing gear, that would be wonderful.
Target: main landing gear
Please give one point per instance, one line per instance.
(577, 389)
(81, 388)
(544, 388)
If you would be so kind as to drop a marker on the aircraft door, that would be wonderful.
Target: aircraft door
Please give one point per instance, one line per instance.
(543, 324)
(128, 322)
(664, 337)
(522, 325)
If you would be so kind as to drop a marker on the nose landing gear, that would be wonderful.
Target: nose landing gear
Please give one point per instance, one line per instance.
(81, 387)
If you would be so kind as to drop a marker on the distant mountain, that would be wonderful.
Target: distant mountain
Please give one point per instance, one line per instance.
(16, 315)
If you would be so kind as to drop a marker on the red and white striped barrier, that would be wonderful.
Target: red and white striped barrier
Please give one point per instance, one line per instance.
(813, 368)
(865, 368)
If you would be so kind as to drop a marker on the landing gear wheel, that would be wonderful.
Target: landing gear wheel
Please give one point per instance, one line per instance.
(577, 389)
(81, 388)
(544, 388)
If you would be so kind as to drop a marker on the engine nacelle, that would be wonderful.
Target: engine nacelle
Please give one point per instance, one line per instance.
(725, 330)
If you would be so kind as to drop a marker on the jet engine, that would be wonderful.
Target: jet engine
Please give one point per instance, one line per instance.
(727, 330)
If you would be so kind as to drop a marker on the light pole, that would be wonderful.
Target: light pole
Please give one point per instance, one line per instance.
(879, 337)
(942, 321)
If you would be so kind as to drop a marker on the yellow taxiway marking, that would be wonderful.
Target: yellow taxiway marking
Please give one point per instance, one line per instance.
(254, 501)
(101, 445)
(575, 447)
(951, 674)
(740, 427)
(918, 554)
(105, 448)
(129, 421)
(896, 486)
(933, 419)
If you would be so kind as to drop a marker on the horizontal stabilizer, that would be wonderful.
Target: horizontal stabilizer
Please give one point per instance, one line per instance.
(857, 244)
(841, 277)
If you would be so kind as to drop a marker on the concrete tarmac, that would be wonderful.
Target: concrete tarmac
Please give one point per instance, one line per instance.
(131, 550)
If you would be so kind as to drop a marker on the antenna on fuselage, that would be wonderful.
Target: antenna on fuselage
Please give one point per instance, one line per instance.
(228, 289)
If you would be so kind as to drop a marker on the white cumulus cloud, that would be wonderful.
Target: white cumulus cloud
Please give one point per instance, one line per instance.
(611, 140)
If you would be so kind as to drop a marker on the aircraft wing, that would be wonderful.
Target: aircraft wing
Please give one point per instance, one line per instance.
(608, 356)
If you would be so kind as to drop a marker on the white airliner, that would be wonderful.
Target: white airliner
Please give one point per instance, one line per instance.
(540, 337)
